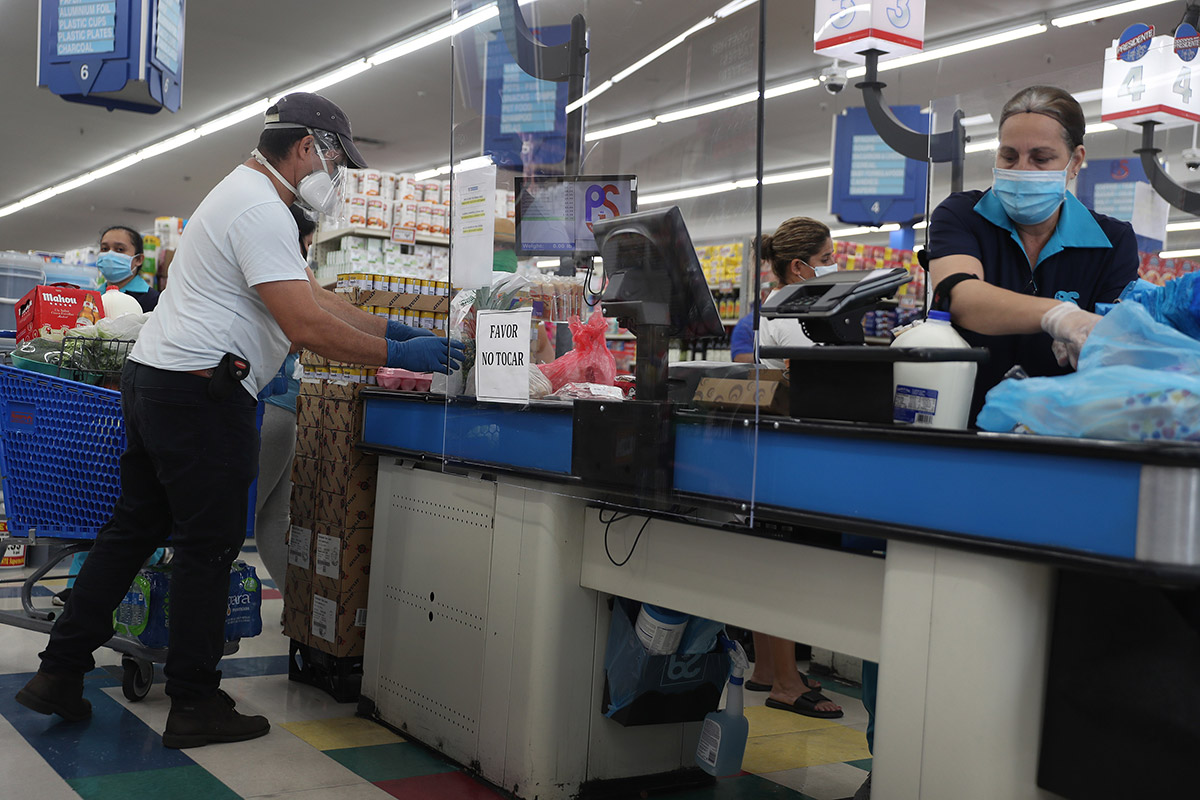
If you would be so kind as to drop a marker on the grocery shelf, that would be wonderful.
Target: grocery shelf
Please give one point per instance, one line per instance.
(337, 233)
(621, 337)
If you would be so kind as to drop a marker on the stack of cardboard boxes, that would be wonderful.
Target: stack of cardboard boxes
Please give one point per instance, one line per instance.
(333, 512)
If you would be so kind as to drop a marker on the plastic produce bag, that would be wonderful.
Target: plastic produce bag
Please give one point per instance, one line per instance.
(1138, 380)
(1177, 303)
(589, 362)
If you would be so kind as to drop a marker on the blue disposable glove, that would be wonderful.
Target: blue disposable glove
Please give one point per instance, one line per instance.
(425, 354)
(399, 332)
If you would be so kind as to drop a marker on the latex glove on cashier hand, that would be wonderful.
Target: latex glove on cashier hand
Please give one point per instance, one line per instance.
(425, 354)
(1070, 326)
(399, 332)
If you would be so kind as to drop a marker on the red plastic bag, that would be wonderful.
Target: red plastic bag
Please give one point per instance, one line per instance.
(589, 362)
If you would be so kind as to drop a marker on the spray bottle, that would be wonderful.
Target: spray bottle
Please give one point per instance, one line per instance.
(723, 737)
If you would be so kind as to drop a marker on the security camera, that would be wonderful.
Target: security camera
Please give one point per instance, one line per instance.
(1191, 157)
(834, 78)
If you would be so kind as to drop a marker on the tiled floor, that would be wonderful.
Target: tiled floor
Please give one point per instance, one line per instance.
(318, 749)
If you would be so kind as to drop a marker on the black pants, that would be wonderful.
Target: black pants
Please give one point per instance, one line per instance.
(186, 472)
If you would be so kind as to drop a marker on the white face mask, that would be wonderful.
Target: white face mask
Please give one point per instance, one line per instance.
(317, 190)
(819, 271)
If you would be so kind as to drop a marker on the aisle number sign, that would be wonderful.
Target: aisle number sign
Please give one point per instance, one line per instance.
(843, 29)
(1148, 77)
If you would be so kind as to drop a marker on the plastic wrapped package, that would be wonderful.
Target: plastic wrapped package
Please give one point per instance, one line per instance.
(590, 361)
(1138, 380)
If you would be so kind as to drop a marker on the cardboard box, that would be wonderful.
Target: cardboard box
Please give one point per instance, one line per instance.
(341, 415)
(308, 442)
(48, 309)
(300, 544)
(411, 302)
(297, 606)
(339, 623)
(357, 474)
(311, 387)
(342, 559)
(306, 471)
(335, 390)
(304, 504)
(770, 394)
(309, 411)
(336, 446)
(355, 509)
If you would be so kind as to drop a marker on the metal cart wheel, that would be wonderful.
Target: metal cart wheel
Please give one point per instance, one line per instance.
(139, 675)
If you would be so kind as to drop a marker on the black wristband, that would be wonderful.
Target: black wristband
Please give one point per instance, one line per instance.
(941, 293)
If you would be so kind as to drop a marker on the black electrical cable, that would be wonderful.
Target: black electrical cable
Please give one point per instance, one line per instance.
(617, 518)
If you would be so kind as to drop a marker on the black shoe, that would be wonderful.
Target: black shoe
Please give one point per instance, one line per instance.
(55, 693)
(864, 791)
(197, 722)
(60, 599)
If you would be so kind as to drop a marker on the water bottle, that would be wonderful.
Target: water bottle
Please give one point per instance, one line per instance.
(723, 736)
(937, 394)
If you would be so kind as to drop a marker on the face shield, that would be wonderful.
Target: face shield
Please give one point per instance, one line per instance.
(321, 189)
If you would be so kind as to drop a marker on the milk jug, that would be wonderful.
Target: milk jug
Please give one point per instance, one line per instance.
(937, 394)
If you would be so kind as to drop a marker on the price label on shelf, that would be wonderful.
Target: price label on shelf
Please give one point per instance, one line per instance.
(402, 235)
(1148, 77)
(845, 28)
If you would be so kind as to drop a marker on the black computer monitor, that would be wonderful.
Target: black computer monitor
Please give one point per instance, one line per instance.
(653, 275)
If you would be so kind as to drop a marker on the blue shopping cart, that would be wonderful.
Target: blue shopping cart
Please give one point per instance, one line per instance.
(59, 467)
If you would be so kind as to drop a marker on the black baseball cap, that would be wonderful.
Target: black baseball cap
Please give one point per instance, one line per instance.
(314, 111)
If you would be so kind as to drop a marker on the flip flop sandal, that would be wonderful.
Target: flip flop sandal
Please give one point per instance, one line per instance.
(806, 705)
(755, 686)
(816, 686)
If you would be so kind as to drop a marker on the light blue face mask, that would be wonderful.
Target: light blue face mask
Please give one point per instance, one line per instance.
(1029, 196)
(114, 266)
(818, 271)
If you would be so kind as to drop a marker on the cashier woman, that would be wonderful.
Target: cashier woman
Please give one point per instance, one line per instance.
(1021, 266)
(120, 260)
(800, 248)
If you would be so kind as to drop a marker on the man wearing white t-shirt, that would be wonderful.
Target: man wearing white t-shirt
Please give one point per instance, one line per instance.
(240, 297)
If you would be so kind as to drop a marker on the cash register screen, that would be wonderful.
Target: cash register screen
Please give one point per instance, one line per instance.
(555, 214)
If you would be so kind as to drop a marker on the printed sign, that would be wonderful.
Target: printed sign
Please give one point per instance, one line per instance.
(1187, 42)
(474, 226)
(843, 29)
(502, 355)
(1149, 77)
(871, 183)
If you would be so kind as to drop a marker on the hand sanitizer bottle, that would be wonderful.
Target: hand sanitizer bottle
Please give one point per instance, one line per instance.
(723, 737)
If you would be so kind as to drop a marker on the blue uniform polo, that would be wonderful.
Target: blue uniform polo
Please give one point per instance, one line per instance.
(741, 340)
(1089, 259)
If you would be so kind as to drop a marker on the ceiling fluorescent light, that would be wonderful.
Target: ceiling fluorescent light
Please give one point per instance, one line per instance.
(1100, 127)
(434, 35)
(167, 145)
(617, 130)
(684, 194)
(1104, 11)
(708, 108)
(979, 147)
(114, 167)
(1183, 226)
(799, 175)
(330, 78)
(666, 48)
(968, 46)
(1163, 254)
(978, 119)
(920, 226)
(472, 163)
(794, 86)
(255, 109)
(432, 173)
(732, 8)
(589, 96)
(861, 230)
(1089, 96)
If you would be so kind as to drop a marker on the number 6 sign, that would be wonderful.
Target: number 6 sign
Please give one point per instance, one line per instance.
(1148, 77)
(844, 28)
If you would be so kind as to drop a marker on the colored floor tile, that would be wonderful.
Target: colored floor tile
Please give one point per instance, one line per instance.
(178, 783)
(387, 762)
(863, 763)
(445, 786)
(113, 740)
(744, 787)
(791, 750)
(826, 782)
(336, 734)
(773, 721)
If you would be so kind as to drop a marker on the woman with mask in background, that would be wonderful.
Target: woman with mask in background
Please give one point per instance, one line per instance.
(120, 262)
(801, 248)
(1021, 266)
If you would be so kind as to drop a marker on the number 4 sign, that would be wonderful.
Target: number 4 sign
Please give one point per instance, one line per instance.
(1148, 77)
